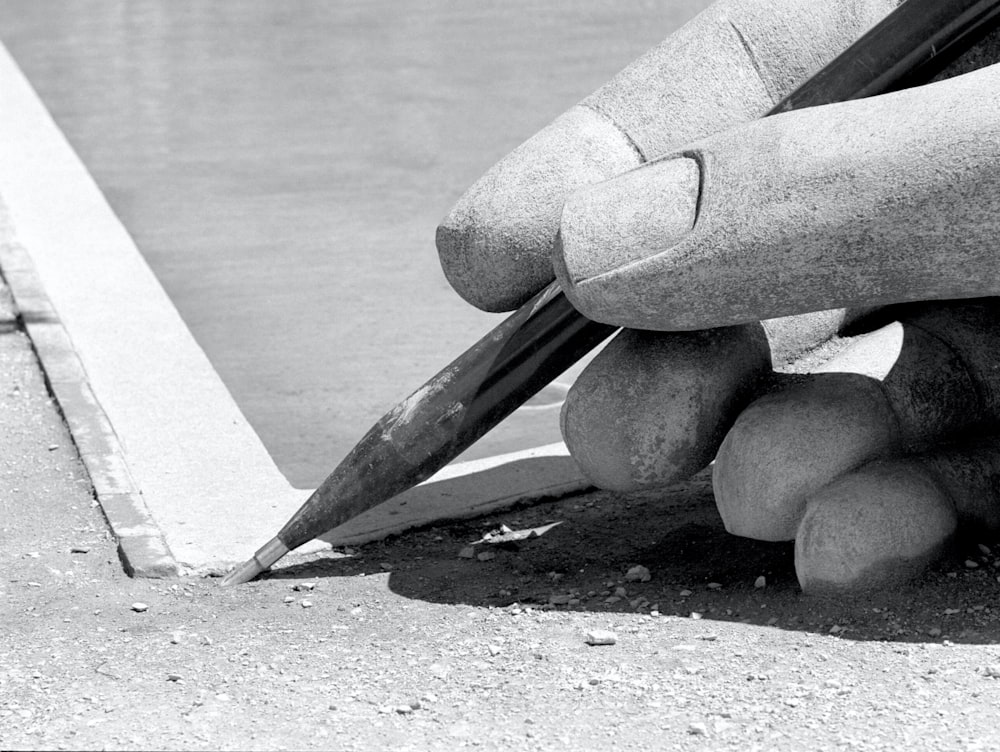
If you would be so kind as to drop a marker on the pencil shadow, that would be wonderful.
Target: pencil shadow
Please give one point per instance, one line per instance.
(695, 567)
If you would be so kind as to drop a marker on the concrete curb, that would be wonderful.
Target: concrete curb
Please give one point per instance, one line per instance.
(186, 483)
(141, 546)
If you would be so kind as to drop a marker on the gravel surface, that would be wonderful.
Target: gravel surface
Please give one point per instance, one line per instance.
(412, 643)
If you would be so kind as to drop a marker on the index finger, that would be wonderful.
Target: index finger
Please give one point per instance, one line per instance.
(729, 65)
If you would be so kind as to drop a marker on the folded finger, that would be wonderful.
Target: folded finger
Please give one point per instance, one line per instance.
(913, 383)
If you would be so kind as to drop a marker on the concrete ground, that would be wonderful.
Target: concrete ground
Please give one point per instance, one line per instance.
(405, 644)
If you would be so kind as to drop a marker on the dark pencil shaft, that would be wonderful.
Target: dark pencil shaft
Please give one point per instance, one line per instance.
(546, 335)
(451, 411)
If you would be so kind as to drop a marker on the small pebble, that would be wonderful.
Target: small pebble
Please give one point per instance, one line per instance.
(985, 550)
(601, 637)
(698, 729)
(993, 671)
(695, 615)
(139, 607)
(714, 585)
(79, 550)
(304, 586)
(288, 599)
(760, 582)
(685, 593)
(560, 599)
(486, 556)
(970, 564)
(934, 632)
(404, 709)
(621, 592)
(53, 447)
(467, 553)
(306, 603)
(173, 677)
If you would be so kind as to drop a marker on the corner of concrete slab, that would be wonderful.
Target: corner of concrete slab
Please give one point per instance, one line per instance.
(185, 483)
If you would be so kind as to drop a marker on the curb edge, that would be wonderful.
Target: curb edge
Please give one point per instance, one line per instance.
(142, 546)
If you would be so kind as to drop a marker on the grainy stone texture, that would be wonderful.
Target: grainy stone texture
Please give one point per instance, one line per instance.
(871, 528)
(495, 244)
(653, 214)
(727, 66)
(788, 445)
(898, 190)
(899, 389)
(970, 474)
(887, 521)
(652, 407)
(781, 221)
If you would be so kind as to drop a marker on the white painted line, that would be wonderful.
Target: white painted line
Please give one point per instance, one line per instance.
(206, 478)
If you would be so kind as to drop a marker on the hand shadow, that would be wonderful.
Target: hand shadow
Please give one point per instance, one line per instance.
(696, 567)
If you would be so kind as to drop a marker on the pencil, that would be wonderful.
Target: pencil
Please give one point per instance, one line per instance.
(546, 335)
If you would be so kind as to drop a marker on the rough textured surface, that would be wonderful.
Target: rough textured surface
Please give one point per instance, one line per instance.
(789, 202)
(874, 527)
(495, 244)
(898, 389)
(405, 621)
(653, 212)
(970, 474)
(727, 66)
(652, 408)
(788, 445)
(969, 327)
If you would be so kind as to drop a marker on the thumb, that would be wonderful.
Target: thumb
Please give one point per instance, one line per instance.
(870, 202)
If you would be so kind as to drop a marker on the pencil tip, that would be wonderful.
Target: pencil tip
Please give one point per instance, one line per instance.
(243, 573)
(273, 550)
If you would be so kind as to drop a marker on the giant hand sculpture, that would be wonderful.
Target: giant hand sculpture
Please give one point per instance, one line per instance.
(731, 246)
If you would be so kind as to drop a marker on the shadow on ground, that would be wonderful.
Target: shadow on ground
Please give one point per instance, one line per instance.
(697, 571)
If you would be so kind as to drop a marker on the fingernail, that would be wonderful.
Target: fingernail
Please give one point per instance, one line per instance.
(629, 218)
(496, 243)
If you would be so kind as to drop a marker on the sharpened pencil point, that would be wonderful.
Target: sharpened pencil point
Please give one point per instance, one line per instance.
(243, 573)
(273, 550)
